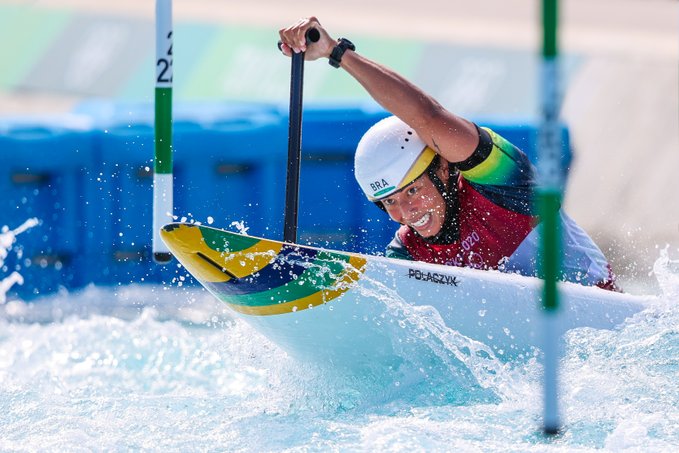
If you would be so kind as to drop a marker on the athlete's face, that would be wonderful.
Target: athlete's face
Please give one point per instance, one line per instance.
(418, 205)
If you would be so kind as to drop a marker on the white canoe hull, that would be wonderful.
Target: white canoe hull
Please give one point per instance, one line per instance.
(361, 309)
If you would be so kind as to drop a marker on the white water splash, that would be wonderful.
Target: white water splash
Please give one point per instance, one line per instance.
(240, 227)
(666, 271)
(7, 239)
(466, 364)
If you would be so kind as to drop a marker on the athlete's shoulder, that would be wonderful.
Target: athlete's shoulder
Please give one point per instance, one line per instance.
(496, 161)
(501, 173)
(396, 248)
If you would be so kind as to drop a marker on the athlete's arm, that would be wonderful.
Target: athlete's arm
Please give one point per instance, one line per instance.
(454, 138)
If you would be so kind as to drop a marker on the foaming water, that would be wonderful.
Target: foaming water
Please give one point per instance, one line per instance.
(437, 365)
(146, 367)
(7, 239)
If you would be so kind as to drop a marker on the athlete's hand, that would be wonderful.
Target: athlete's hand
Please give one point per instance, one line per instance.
(293, 39)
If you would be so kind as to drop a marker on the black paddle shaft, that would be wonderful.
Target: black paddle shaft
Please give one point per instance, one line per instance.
(295, 141)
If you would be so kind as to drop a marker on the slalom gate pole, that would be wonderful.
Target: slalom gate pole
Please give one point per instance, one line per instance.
(162, 163)
(295, 141)
(551, 183)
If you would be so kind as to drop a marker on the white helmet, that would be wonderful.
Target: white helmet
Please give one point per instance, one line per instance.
(390, 156)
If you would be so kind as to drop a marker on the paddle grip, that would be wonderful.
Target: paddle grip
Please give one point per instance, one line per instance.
(312, 35)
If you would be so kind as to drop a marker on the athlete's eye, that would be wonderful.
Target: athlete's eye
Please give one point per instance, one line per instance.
(388, 202)
(412, 190)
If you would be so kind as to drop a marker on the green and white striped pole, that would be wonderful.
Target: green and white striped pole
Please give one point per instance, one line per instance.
(162, 166)
(551, 183)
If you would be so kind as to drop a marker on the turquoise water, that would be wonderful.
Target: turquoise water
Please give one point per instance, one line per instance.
(151, 368)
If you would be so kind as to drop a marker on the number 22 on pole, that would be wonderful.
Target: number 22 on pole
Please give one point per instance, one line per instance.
(162, 165)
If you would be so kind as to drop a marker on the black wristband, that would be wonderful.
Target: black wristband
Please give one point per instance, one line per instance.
(335, 57)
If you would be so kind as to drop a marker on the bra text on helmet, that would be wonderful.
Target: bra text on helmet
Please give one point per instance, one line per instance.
(379, 185)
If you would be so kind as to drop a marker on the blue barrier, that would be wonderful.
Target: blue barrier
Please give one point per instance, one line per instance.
(224, 168)
(89, 177)
(46, 169)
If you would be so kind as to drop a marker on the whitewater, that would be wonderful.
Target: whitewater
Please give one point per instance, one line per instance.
(168, 368)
